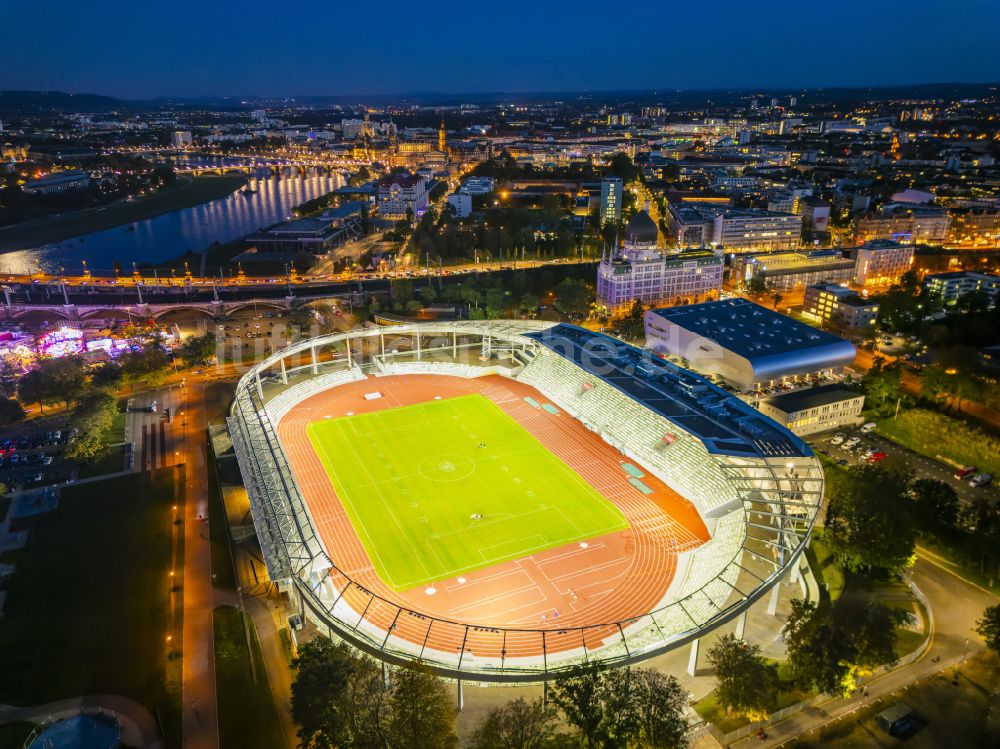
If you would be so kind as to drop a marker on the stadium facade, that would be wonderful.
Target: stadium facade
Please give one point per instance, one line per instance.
(757, 487)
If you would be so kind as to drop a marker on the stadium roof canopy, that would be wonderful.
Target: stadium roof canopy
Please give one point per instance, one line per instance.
(724, 423)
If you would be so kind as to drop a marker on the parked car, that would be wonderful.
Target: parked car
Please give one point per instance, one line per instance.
(837, 440)
(962, 473)
(869, 427)
(876, 457)
(980, 479)
(852, 442)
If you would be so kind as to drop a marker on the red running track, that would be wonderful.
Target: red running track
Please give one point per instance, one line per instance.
(617, 577)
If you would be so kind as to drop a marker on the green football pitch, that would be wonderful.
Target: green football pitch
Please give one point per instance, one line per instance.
(450, 486)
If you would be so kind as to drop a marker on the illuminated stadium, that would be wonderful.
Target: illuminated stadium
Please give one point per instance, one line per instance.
(502, 500)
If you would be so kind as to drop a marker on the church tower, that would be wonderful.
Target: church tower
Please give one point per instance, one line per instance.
(442, 138)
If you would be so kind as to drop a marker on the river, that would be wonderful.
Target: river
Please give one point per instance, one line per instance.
(170, 235)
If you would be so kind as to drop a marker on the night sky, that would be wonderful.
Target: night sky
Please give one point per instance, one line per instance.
(141, 49)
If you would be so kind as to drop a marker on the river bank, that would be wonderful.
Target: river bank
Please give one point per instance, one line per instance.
(51, 229)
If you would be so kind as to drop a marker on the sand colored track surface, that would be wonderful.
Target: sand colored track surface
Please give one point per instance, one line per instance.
(604, 581)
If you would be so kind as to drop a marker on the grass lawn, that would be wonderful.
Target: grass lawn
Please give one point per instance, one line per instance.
(88, 609)
(248, 718)
(47, 229)
(933, 434)
(828, 573)
(709, 708)
(411, 478)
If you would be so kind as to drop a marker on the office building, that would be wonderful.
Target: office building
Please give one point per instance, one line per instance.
(691, 224)
(640, 272)
(787, 271)
(950, 287)
(744, 343)
(838, 305)
(181, 139)
(818, 409)
(746, 230)
(611, 200)
(313, 234)
(401, 195)
(905, 223)
(478, 186)
(881, 262)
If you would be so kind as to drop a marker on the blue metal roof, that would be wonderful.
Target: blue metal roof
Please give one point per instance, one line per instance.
(725, 424)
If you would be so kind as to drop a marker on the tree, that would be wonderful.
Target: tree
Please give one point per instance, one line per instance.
(422, 714)
(659, 704)
(93, 416)
(633, 325)
(573, 296)
(149, 365)
(747, 682)
(578, 695)
(516, 725)
(53, 381)
(370, 704)
(323, 671)
(199, 349)
(11, 412)
(869, 521)
(107, 376)
(817, 653)
(989, 628)
(883, 384)
(935, 503)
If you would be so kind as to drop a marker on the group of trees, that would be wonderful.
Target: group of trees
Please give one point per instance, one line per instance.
(344, 699)
(746, 682)
(830, 644)
(493, 296)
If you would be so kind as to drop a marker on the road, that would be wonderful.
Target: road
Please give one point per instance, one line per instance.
(200, 728)
(956, 604)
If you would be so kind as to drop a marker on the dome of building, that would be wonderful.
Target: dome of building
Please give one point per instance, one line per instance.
(641, 229)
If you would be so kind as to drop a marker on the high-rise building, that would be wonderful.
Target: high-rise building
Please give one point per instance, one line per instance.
(181, 139)
(640, 272)
(881, 262)
(611, 200)
(831, 302)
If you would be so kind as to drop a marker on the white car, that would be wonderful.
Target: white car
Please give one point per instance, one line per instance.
(852, 442)
(839, 439)
(869, 427)
(980, 479)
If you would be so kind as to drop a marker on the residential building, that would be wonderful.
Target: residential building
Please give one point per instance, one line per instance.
(71, 179)
(611, 200)
(746, 230)
(976, 227)
(641, 272)
(881, 262)
(905, 223)
(401, 195)
(837, 304)
(787, 271)
(461, 204)
(950, 287)
(181, 139)
(817, 409)
(815, 214)
(744, 343)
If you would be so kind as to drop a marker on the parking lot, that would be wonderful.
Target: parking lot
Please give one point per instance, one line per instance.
(920, 466)
(34, 457)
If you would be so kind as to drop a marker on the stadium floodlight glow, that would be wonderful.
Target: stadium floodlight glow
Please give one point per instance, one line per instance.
(752, 488)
